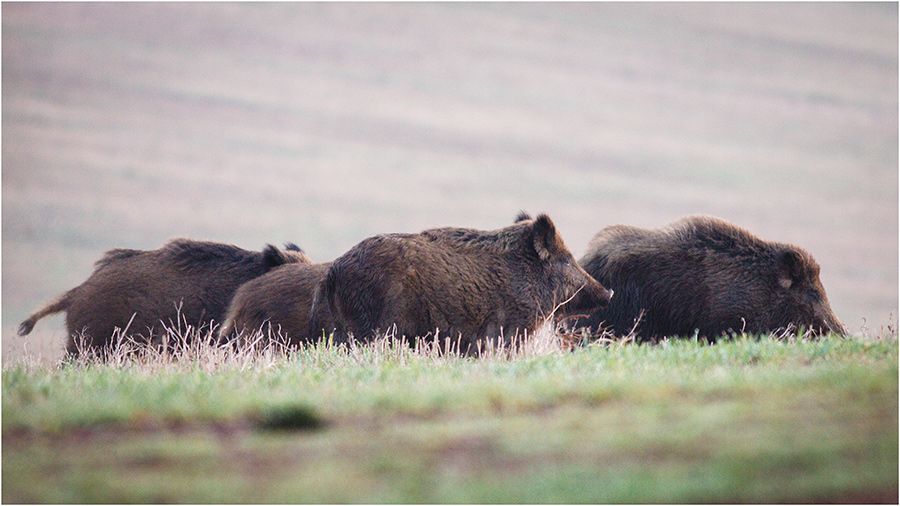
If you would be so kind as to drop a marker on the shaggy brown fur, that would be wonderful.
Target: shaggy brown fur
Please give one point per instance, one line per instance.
(149, 285)
(465, 284)
(702, 274)
(280, 299)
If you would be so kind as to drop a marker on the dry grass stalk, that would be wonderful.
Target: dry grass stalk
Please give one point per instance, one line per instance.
(183, 346)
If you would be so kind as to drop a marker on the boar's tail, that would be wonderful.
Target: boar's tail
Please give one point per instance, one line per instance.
(226, 328)
(325, 309)
(60, 304)
(329, 292)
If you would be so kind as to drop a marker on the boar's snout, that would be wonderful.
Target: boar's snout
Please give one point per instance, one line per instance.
(830, 323)
(600, 294)
(820, 320)
(604, 296)
(592, 297)
(838, 328)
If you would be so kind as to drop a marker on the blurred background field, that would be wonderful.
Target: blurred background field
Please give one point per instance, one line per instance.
(124, 125)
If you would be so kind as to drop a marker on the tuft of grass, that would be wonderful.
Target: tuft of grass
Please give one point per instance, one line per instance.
(289, 418)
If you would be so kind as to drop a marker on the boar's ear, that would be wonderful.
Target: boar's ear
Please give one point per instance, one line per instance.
(546, 240)
(273, 257)
(789, 268)
(522, 216)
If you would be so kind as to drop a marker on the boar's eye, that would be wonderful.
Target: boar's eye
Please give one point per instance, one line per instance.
(812, 296)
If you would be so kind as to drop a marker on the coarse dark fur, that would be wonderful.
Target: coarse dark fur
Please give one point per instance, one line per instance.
(707, 276)
(149, 286)
(460, 283)
(278, 302)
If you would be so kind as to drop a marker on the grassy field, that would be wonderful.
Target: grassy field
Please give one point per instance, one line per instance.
(749, 420)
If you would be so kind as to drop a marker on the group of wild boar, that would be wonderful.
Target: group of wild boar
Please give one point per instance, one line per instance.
(700, 276)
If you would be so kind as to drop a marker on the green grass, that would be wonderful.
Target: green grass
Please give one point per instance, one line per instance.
(751, 420)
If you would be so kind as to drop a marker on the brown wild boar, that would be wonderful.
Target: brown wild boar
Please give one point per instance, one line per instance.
(702, 274)
(278, 301)
(145, 288)
(460, 283)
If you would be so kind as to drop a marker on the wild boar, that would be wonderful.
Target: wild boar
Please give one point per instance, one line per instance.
(707, 276)
(138, 292)
(464, 284)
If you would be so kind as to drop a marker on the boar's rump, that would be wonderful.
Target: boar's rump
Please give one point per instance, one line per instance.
(276, 303)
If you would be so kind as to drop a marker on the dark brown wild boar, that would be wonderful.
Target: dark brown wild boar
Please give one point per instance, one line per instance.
(146, 288)
(702, 274)
(461, 283)
(278, 301)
